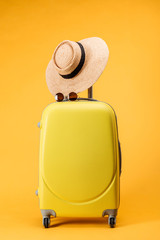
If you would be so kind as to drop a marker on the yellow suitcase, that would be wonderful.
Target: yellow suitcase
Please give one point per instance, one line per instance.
(79, 161)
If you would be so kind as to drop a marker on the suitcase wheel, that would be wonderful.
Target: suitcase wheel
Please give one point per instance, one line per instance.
(46, 222)
(112, 221)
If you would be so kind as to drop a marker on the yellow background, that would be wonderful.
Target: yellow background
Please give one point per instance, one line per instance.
(29, 33)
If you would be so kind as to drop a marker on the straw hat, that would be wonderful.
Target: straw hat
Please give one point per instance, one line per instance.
(76, 66)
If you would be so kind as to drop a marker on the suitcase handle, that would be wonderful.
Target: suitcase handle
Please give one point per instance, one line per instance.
(88, 99)
(90, 92)
(90, 95)
(120, 157)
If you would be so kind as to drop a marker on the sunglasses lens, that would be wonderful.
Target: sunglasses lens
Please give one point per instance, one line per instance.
(59, 97)
(72, 96)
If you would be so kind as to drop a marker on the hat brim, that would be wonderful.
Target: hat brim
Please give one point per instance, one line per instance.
(96, 57)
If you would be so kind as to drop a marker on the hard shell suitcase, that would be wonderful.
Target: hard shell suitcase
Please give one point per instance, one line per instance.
(79, 161)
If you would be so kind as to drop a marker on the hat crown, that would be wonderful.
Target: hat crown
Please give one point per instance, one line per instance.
(66, 57)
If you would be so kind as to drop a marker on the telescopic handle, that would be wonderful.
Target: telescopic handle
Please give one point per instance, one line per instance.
(90, 92)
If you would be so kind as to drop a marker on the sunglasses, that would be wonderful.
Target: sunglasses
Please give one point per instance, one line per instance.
(59, 97)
